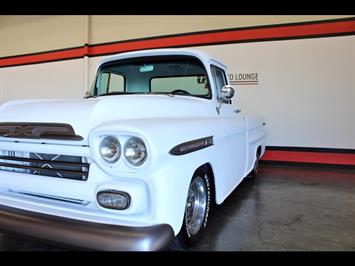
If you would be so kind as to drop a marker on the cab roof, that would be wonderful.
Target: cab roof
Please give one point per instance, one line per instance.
(203, 56)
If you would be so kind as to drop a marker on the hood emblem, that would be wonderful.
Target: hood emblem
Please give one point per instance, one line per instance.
(21, 131)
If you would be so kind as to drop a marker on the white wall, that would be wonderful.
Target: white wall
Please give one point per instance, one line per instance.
(306, 87)
(36, 33)
(61, 79)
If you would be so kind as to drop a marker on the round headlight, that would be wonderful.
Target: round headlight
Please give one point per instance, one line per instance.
(135, 151)
(110, 149)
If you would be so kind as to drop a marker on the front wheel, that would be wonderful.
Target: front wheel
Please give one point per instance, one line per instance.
(196, 209)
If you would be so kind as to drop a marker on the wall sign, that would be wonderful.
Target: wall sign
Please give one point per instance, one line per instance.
(244, 78)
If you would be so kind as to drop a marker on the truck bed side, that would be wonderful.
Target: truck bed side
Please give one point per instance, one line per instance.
(256, 140)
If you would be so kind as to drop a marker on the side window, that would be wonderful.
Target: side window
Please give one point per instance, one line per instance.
(220, 80)
(110, 82)
(116, 83)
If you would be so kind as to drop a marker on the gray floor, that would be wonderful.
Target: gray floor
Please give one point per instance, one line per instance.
(285, 208)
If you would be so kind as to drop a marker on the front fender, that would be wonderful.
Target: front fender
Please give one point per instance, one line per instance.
(170, 184)
(168, 175)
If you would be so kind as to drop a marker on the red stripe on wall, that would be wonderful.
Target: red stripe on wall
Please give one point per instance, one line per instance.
(309, 157)
(228, 36)
(44, 57)
(224, 36)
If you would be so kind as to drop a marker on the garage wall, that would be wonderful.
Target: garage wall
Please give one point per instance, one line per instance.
(304, 87)
(62, 79)
(37, 33)
(119, 28)
(30, 34)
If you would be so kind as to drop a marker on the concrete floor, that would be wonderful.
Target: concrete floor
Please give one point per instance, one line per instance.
(285, 208)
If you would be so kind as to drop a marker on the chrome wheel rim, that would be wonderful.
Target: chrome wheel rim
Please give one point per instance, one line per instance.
(196, 205)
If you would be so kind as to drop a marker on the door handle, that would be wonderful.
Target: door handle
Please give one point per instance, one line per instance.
(237, 111)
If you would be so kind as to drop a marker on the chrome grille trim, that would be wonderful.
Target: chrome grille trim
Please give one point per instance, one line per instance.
(51, 197)
(54, 165)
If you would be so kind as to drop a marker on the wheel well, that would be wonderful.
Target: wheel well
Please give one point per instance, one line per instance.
(208, 168)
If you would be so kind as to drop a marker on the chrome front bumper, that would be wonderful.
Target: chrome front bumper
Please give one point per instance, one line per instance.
(85, 234)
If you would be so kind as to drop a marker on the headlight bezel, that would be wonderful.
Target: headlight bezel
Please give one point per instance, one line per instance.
(122, 165)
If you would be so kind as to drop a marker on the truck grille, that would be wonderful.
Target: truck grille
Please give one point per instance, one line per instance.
(54, 165)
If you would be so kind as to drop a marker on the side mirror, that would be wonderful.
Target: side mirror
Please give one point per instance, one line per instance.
(227, 92)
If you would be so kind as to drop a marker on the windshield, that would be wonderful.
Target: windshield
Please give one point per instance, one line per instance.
(177, 75)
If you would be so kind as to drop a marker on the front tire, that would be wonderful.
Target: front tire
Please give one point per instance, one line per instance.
(197, 209)
(255, 169)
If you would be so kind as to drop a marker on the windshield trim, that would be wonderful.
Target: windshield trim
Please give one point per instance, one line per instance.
(152, 57)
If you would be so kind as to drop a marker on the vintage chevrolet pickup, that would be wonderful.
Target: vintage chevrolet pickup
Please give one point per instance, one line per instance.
(137, 163)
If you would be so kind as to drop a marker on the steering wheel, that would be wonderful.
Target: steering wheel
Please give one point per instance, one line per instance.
(179, 91)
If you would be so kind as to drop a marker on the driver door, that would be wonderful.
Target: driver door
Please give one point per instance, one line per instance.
(235, 137)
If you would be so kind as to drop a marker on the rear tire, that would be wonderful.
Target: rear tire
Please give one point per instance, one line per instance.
(255, 169)
(197, 209)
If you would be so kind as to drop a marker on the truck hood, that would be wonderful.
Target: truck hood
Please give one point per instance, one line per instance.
(84, 115)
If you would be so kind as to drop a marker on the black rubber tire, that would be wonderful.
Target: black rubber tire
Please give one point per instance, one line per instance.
(184, 237)
(178, 245)
(255, 169)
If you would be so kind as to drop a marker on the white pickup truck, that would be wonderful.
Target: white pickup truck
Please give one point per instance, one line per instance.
(137, 163)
